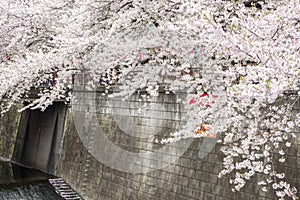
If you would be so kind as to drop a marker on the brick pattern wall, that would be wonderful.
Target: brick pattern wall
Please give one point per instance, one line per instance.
(190, 177)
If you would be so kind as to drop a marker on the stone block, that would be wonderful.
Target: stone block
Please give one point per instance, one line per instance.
(187, 191)
(182, 180)
(203, 186)
(202, 176)
(188, 172)
(216, 189)
(193, 183)
(209, 196)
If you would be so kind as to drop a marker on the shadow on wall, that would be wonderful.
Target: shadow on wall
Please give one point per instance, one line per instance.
(39, 139)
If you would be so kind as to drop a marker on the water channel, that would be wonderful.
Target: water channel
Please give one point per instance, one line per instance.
(21, 183)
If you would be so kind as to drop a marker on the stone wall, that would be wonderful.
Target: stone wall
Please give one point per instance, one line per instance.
(192, 176)
(9, 124)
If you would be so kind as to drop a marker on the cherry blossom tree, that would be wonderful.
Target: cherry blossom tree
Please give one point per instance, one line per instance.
(240, 58)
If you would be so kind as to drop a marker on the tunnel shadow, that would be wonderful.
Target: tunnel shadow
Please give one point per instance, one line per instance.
(39, 137)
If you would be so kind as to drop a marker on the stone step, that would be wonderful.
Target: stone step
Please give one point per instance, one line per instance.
(64, 189)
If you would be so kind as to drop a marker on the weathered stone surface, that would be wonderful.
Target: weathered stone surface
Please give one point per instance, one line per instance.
(189, 178)
(9, 124)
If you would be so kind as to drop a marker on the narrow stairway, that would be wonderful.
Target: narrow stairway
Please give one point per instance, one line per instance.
(64, 189)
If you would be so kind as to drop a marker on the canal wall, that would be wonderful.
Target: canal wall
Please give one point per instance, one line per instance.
(191, 175)
(9, 125)
(79, 153)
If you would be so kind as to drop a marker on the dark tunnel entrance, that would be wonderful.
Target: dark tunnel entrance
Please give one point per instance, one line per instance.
(39, 138)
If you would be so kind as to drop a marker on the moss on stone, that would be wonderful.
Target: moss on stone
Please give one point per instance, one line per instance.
(9, 124)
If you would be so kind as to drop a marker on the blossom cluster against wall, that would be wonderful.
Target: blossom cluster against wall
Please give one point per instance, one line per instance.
(246, 52)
